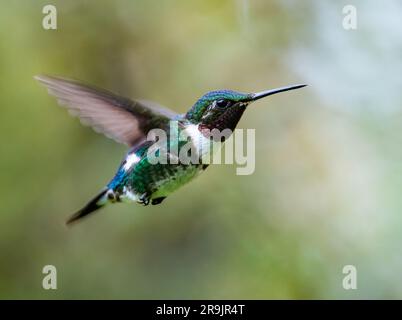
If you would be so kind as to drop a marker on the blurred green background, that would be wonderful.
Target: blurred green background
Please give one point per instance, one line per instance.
(327, 187)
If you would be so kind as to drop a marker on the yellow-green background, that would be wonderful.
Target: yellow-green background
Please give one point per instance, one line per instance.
(327, 190)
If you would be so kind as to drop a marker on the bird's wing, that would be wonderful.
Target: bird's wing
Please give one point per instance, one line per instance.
(124, 120)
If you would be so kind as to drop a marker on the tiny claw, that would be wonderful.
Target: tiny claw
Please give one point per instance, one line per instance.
(144, 199)
(157, 200)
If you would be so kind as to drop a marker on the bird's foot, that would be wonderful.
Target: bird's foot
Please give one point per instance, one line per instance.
(157, 200)
(144, 199)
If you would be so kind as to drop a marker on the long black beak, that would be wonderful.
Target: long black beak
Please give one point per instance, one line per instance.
(263, 94)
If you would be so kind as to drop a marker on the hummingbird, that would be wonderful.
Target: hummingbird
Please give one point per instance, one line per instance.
(129, 122)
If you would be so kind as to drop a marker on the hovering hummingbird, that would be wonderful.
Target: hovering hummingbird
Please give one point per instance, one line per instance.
(129, 121)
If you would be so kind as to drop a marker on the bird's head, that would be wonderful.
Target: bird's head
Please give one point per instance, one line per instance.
(223, 109)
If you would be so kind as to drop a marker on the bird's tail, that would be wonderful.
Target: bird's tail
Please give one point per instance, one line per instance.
(96, 203)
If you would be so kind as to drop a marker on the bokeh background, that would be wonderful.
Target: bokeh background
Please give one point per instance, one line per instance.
(328, 182)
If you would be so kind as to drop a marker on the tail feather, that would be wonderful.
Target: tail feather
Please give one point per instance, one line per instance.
(96, 203)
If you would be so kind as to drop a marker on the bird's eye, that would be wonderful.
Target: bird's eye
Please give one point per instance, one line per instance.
(221, 103)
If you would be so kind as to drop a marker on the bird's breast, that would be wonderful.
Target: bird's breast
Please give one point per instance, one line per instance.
(202, 142)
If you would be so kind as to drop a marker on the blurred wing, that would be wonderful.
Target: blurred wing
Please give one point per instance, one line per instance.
(124, 120)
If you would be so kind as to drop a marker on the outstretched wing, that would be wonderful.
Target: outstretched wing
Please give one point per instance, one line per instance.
(124, 120)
